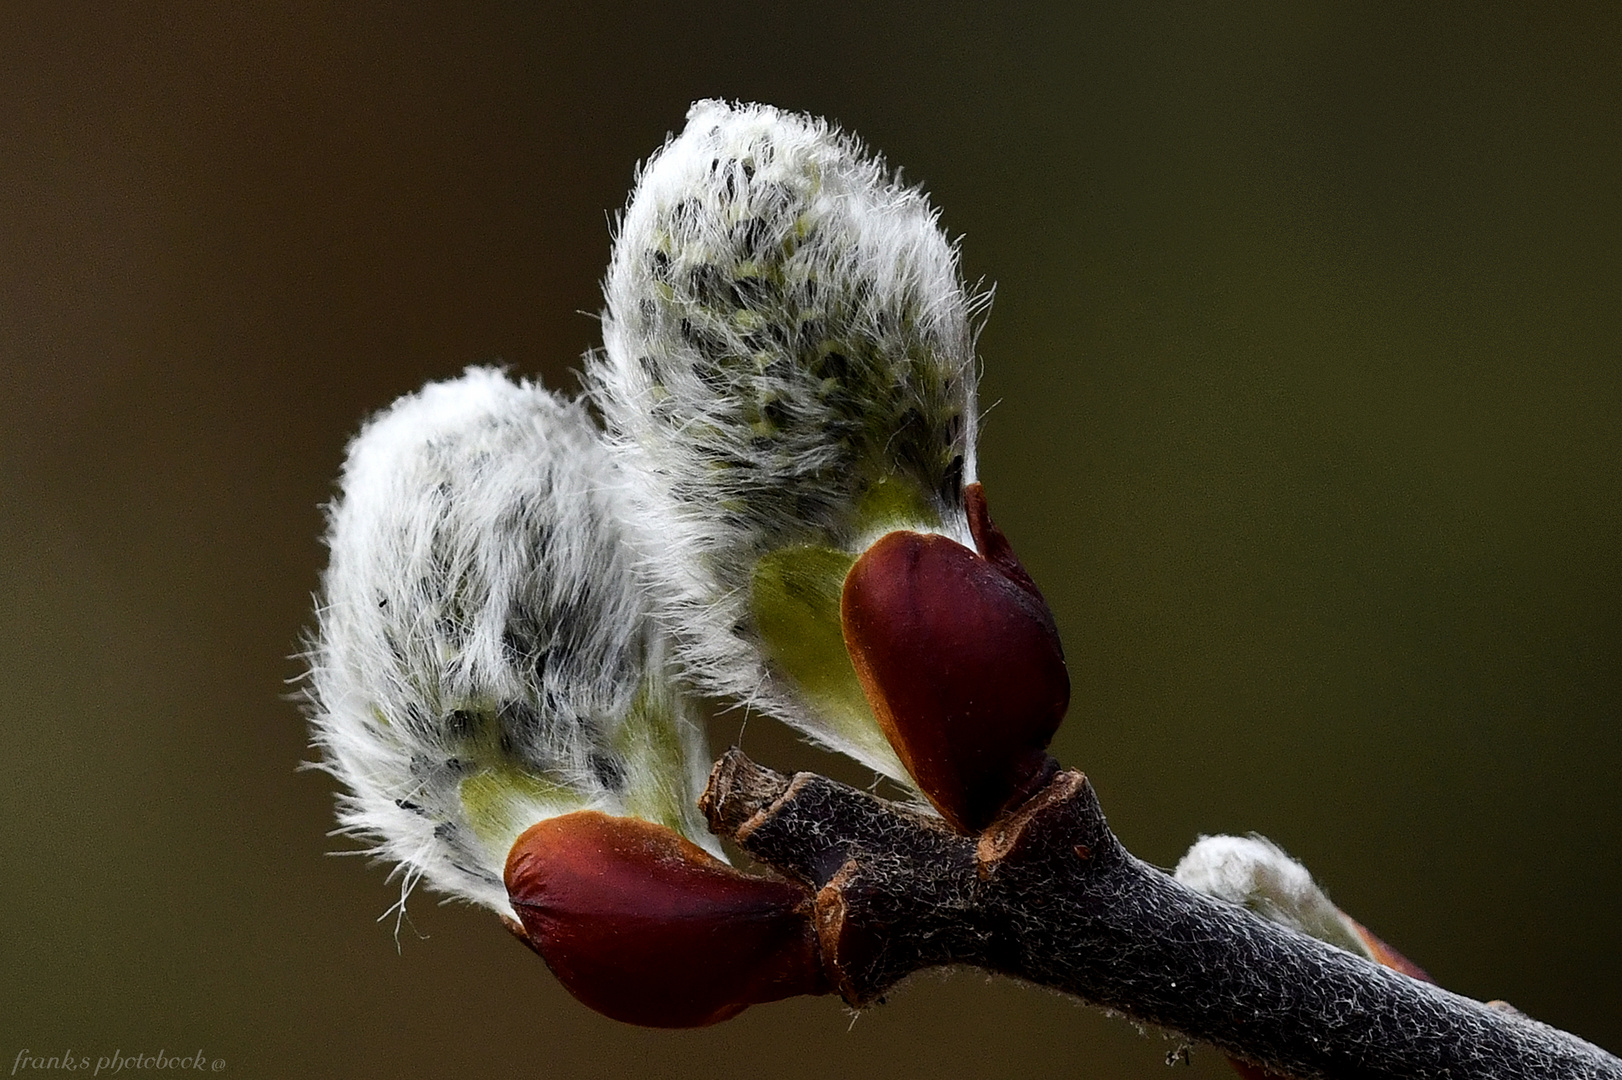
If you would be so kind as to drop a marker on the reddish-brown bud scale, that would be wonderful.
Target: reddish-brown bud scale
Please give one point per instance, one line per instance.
(1387, 956)
(646, 927)
(961, 661)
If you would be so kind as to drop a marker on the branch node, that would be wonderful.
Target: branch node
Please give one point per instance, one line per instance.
(739, 790)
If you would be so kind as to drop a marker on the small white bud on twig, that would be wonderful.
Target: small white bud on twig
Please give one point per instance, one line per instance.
(1256, 873)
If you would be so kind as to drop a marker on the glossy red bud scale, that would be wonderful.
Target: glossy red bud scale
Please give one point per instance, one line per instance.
(646, 927)
(961, 661)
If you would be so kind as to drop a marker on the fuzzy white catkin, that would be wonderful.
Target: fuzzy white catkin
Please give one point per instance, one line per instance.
(1256, 873)
(788, 364)
(483, 658)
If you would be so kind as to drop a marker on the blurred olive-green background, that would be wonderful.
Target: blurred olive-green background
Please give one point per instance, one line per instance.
(1306, 365)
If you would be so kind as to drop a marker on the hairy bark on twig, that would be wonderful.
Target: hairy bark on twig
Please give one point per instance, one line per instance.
(1049, 895)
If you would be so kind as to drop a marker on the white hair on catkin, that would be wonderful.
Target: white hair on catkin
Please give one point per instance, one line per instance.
(1256, 873)
(483, 658)
(788, 362)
